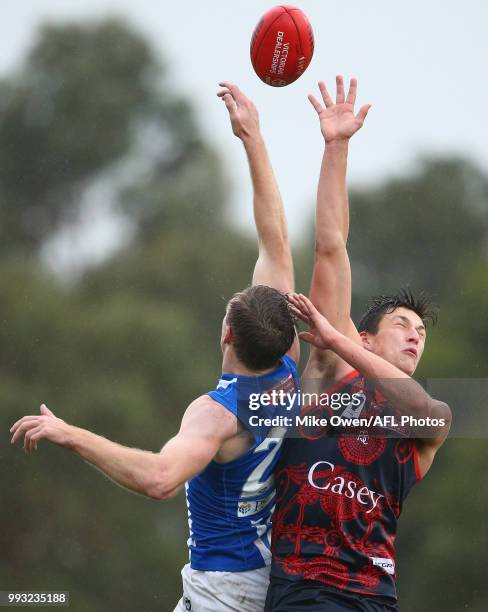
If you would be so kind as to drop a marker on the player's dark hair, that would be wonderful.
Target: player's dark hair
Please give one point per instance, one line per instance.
(380, 305)
(263, 327)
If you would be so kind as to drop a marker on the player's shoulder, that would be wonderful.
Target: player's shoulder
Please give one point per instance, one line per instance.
(210, 412)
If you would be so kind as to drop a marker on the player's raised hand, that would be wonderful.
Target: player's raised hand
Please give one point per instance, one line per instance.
(36, 427)
(321, 333)
(337, 119)
(243, 114)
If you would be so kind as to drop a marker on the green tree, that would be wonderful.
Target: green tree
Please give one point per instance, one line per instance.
(418, 229)
(86, 99)
(123, 351)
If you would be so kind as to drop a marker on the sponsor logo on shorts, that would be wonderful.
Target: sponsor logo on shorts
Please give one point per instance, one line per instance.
(187, 603)
(386, 564)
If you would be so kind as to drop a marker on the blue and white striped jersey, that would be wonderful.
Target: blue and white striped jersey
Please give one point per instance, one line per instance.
(230, 504)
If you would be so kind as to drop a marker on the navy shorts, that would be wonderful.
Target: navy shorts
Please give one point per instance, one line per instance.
(306, 595)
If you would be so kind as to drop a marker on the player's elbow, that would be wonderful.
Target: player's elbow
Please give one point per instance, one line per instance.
(164, 494)
(275, 248)
(441, 417)
(442, 411)
(160, 491)
(329, 244)
(161, 485)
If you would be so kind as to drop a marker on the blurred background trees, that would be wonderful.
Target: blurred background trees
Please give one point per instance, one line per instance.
(121, 347)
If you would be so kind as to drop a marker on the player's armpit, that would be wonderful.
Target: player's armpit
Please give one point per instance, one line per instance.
(321, 364)
(205, 426)
(323, 369)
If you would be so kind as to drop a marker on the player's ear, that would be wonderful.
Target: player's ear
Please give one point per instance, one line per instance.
(228, 336)
(365, 339)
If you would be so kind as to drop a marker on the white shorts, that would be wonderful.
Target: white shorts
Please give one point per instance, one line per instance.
(223, 591)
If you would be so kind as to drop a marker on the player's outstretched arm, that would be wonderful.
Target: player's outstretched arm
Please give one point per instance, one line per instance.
(402, 391)
(274, 266)
(331, 278)
(205, 426)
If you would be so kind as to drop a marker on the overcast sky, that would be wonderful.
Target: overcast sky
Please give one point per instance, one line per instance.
(422, 64)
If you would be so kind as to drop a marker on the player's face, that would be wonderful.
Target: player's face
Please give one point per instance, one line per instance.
(400, 339)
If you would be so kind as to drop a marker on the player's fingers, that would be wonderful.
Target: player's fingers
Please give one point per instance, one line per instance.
(23, 420)
(45, 410)
(307, 337)
(325, 94)
(237, 94)
(293, 298)
(26, 425)
(351, 94)
(303, 310)
(20, 431)
(228, 88)
(308, 302)
(315, 103)
(305, 304)
(35, 435)
(31, 437)
(363, 111)
(230, 103)
(298, 313)
(294, 310)
(26, 439)
(295, 305)
(339, 89)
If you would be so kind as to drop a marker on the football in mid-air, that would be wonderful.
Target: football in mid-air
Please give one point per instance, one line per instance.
(282, 45)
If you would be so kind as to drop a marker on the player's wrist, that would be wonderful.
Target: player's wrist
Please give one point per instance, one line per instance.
(336, 341)
(337, 143)
(252, 139)
(72, 438)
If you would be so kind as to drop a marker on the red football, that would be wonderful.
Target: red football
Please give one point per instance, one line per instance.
(282, 45)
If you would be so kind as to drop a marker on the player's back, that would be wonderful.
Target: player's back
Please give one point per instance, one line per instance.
(230, 503)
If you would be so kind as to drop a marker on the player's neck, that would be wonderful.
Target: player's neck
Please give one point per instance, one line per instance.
(232, 365)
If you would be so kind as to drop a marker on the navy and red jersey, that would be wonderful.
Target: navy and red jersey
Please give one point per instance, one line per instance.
(339, 495)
